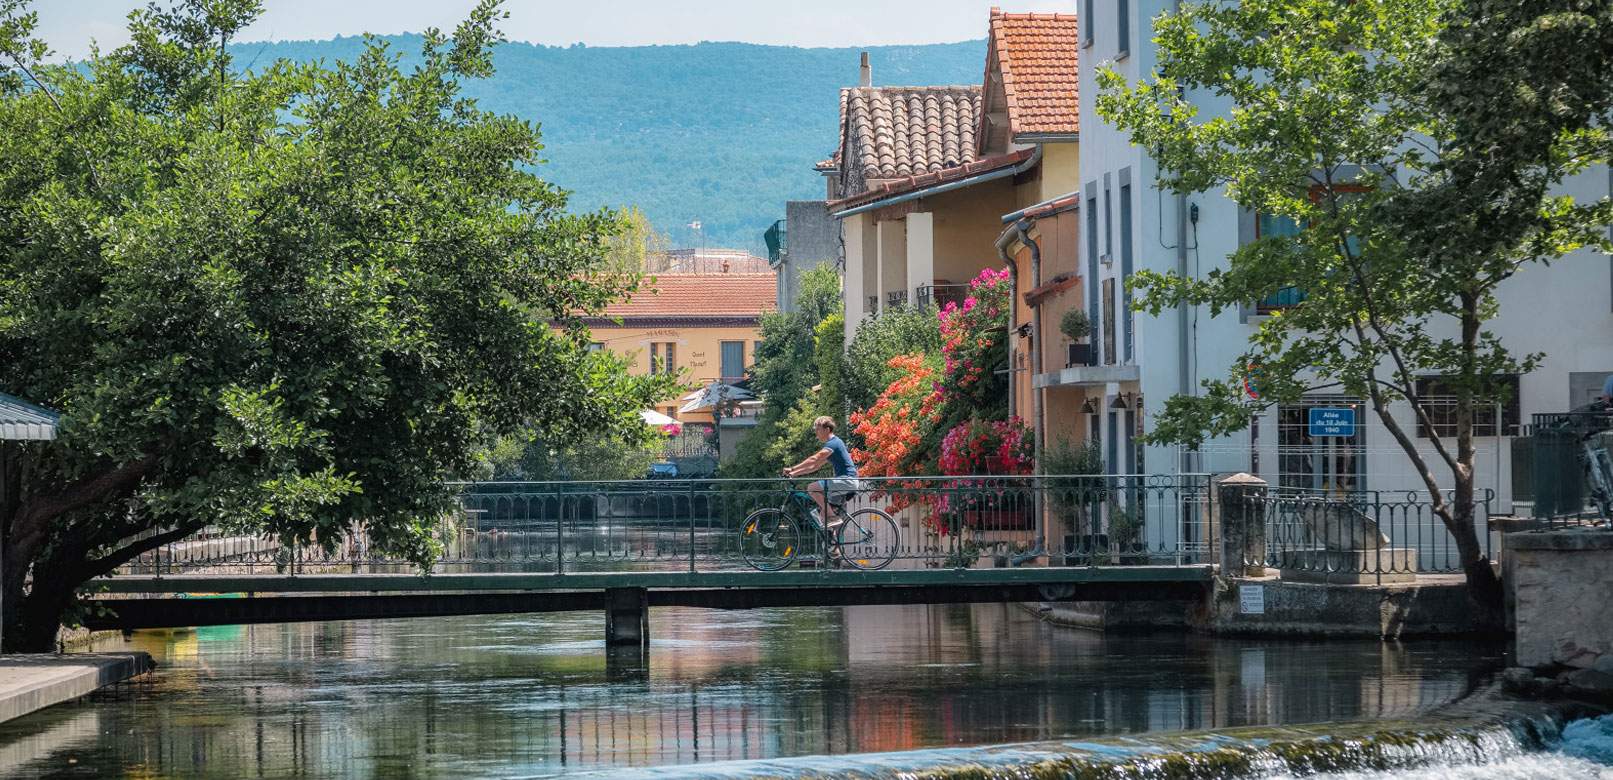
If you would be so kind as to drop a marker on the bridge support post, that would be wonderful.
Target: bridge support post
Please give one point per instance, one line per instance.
(1242, 499)
(627, 617)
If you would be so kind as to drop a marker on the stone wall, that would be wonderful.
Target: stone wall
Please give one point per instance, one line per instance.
(1432, 606)
(1561, 583)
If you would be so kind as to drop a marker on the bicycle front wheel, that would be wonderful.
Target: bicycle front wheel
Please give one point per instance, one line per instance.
(869, 539)
(769, 539)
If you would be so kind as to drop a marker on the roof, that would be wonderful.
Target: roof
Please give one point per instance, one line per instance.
(701, 296)
(1037, 56)
(911, 183)
(22, 420)
(892, 132)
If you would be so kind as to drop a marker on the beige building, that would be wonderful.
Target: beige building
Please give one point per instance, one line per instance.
(705, 325)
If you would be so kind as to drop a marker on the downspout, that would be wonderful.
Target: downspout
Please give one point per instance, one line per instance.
(1184, 331)
(1037, 427)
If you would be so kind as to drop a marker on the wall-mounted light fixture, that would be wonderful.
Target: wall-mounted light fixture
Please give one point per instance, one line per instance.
(1089, 406)
(1120, 401)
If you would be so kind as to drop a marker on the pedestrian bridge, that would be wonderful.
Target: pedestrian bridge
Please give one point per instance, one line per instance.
(622, 548)
(150, 601)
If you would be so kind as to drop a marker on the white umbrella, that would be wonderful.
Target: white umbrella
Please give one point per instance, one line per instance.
(713, 394)
(652, 417)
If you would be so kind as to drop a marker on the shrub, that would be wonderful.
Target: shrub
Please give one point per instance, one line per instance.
(1076, 324)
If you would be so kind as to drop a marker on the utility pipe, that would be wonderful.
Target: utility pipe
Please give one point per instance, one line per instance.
(1008, 237)
(1031, 161)
(1038, 428)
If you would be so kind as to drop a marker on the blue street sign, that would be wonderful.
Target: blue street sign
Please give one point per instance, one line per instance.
(1332, 422)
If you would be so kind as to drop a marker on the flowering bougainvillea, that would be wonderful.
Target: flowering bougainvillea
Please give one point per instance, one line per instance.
(893, 427)
(988, 447)
(944, 415)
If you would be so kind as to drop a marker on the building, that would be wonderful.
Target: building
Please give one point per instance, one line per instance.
(703, 324)
(707, 261)
(1132, 225)
(923, 175)
(806, 238)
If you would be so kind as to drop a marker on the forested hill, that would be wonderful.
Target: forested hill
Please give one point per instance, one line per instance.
(722, 133)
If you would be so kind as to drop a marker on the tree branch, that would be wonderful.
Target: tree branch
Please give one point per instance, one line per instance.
(89, 570)
(51, 96)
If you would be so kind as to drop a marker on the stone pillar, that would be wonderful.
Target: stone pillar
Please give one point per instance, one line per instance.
(920, 252)
(1243, 525)
(627, 616)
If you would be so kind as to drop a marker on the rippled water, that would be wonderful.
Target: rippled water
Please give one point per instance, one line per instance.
(541, 696)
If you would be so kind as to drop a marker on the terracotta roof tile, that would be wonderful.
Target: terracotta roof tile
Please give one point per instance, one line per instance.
(701, 295)
(889, 188)
(901, 131)
(1037, 55)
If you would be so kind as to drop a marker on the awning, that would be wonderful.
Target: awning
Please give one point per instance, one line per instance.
(713, 394)
(20, 420)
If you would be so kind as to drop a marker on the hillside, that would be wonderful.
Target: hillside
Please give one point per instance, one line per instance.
(719, 132)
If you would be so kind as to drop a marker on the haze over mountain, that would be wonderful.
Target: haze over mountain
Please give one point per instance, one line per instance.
(723, 133)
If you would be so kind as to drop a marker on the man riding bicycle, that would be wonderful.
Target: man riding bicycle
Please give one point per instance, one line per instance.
(834, 452)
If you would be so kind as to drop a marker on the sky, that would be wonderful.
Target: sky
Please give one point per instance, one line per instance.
(69, 26)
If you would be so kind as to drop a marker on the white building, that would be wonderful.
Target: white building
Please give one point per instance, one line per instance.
(1564, 311)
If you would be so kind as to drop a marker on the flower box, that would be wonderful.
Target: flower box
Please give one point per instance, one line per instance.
(1078, 355)
(1008, 518)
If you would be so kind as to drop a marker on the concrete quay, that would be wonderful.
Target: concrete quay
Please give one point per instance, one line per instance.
(32, 682)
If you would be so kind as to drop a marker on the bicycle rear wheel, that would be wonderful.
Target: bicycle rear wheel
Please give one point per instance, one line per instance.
(769, 539)
(869, 539)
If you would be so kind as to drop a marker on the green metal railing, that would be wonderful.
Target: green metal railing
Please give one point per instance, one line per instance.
(693, 525)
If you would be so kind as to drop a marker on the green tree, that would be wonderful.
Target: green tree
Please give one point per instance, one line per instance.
(903, 330)
(277, 302)
(783, 375)
(637, 247)
(1417, 144)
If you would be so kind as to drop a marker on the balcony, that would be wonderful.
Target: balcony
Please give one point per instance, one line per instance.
(895, 298)
(942, 294)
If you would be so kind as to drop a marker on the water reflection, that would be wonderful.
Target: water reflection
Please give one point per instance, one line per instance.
(539, 695)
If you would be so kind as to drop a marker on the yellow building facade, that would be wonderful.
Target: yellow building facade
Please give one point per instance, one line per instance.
(703, 326)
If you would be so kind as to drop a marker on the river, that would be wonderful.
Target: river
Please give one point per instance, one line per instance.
(733, 693)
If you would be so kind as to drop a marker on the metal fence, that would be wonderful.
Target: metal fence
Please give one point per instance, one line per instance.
(693, 525)
(1367, 536)
(1568, 473)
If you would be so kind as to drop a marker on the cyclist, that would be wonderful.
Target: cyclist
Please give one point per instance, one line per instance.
(834, 453)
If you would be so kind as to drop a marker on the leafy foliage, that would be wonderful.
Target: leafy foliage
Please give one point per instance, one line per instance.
(784, 373)
(1417, 143)
(902, 330)
(280, 301)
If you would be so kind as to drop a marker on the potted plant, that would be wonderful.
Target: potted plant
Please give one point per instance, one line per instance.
(1076, 325)
(976, 451)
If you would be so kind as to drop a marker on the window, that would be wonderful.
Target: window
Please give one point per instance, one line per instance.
(1083, 22)
(1092, 259)
(1270, 225)
(596, 346)
(1123, 8)
(1108, 224)
(1440, 405)
(1109, 321)
(1333, 463)
(670, 411)
(733, 361)
(663, 357)
(1125, 268)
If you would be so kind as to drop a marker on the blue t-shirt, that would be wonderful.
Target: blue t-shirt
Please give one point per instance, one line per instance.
(1607, 386)
(839, 458)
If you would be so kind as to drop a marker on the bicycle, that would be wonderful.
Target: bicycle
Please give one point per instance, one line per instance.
(771, 539)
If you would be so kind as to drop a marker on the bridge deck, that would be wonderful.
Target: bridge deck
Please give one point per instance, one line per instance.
(358, 596)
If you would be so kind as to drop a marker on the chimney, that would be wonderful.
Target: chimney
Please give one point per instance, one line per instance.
(865, 74)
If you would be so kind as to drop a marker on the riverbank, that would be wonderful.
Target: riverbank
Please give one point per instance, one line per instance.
(32, 682)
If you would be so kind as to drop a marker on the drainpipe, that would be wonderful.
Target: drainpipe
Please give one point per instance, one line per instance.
(1185, 385)
(1008, 237)
(1021, 234)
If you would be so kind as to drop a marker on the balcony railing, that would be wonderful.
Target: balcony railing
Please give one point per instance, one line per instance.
(896, 298)
(942, 294)
(873, 304)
